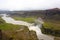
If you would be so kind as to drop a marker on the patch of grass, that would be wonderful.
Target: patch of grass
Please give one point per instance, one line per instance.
(6, 26)
(27, 19)
(52, 25)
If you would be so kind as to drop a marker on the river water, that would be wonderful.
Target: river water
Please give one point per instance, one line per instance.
(30, 26)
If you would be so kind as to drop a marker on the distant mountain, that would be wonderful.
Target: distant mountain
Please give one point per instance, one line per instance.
(53, 14)
(48, 14)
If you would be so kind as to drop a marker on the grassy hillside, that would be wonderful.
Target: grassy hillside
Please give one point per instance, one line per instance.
(51, 24)
(6, 26)
(54, 25)
(51, 27)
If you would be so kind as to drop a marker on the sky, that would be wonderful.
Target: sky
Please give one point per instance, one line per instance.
(29, 4)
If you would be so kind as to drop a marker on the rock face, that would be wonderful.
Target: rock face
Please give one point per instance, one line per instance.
(25, 34)
(33, 35)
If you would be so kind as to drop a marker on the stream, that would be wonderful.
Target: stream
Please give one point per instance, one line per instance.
(35, 28)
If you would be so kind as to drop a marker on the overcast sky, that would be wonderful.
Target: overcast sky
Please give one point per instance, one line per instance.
(29, 4)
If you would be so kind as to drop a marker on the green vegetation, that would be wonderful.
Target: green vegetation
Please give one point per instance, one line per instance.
(6, 26)
(51, 27)
(27, 19)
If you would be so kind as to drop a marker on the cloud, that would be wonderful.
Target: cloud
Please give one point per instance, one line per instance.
(28, 4)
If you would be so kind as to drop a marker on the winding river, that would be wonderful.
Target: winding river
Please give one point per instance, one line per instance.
(30, 26)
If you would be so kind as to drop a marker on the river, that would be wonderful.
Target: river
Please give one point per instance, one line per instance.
(30, 26)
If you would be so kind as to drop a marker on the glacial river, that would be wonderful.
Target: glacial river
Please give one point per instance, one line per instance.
(30, 26)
